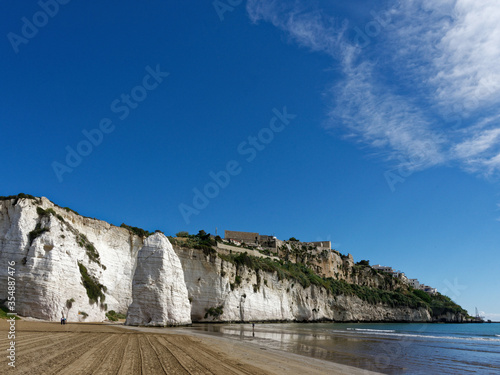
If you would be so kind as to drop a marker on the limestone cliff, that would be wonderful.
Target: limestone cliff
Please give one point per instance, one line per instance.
(217, 295)
(82, 267)
(340, 267)
(50, 247)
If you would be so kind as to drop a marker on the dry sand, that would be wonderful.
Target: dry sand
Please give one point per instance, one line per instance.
(98, 348)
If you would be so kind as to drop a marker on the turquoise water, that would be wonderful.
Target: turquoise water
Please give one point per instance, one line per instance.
(396, 348)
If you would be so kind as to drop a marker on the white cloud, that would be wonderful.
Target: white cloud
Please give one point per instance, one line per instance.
(443, 57)
(478, 144)
(308, 28)
(494, 317)
(467, 69)
(384, 120)
(451, 49)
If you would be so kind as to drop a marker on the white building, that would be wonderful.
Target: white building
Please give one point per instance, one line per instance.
(383, 268)
(428, 289)
(414, 283)
(400, 275)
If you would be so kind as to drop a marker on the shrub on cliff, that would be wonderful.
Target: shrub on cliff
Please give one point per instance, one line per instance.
(95, 290)
(138, 231)
(89, 247)
(4, 311)
(422, 295)
(305, 276)
(114, 316)
(69, 303)
(17, 197)
(441, 305)
(214, 311)
(36, 232)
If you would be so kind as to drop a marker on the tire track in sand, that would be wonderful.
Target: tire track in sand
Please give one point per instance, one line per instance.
(89, 361)
(206, 357)
(57, 357)
(130, 364)
(43, 348)
(113, 361)
(151, 363)
(171, 365)
(28, 346)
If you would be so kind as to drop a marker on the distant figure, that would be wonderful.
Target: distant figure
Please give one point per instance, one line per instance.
(62, 320)
(253, 329)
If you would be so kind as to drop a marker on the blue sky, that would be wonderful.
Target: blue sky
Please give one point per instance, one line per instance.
(373, 126)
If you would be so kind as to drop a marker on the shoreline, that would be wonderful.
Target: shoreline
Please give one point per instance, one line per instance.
(321, 321)
(253, 353)
(49, 347)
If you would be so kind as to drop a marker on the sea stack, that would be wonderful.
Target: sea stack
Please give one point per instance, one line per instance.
(159, 293)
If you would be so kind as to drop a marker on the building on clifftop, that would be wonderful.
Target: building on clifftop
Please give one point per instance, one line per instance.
(269, 242)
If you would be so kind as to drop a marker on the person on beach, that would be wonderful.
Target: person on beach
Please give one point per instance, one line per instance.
(62, 320)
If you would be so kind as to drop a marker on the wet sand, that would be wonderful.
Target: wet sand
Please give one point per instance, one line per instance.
(99, 348)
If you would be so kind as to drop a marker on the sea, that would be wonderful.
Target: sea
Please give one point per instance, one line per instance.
(389, 348)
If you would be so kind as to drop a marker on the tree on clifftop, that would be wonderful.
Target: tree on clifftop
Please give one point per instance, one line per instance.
(364, 262)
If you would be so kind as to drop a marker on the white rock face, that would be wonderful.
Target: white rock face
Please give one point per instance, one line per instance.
(47, 273)
(47, 276)
(209, 279)
(159, 293)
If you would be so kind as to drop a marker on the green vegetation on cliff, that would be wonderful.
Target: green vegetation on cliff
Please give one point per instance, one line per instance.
(305, 276)
(3, 313)
(201, 241)
(38, 231)
(441, 305)
(114, 316)
(215, 312)
(138, 231)
(89, 247)
(17, 197)
(95, 290)
(81, 239)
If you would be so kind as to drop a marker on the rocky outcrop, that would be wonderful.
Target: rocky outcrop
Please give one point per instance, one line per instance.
(47, 244)
(82, 267)
(219, 291)
(450, 318)
(330, 263)
(160, 297)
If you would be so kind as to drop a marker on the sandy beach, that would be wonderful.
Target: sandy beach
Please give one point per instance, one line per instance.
(99, 348)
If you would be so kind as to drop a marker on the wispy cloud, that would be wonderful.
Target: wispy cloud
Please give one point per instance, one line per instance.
(468, 66)
(384, 120)
(451, 48)
(478, 144)
(443, 59)
(309, 28)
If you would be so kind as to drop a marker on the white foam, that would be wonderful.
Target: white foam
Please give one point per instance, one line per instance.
(410, 335)
(371, 330)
